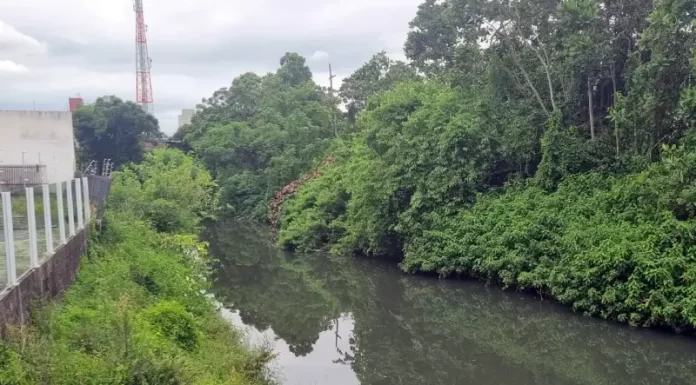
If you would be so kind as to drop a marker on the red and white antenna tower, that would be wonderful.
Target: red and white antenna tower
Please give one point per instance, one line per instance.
(143, 81)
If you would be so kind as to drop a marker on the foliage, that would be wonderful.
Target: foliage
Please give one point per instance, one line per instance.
(168, 189)
(420, 147)
(262, 133)
(137, 313)
(568, 58)
(113, 129)
(620, 247)
(309, 220)
(649, 115)
(565, 152)
(549, 147)
(377, 75)
(617, 247)
(173, 321)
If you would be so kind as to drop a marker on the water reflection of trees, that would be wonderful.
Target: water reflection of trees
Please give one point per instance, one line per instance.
(268, 290)
(415, 330)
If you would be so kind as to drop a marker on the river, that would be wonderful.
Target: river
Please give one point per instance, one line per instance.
(350, 321)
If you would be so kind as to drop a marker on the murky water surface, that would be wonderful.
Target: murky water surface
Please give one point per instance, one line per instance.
(350, 321)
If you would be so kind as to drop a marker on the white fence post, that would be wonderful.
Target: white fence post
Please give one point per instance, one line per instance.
(9, 239)
(31, 222)
(71, 209)
(78, 201)
(61, 213)
(47, 217)
(85, 192)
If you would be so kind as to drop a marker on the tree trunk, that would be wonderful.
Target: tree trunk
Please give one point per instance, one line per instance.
(529, 82)
(613, 103)
(547, 69)
(590, 107)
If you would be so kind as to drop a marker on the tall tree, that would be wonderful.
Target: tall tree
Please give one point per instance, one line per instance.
(262, 132)
(379, 74)
(648, 116)
(114, 129)
(293, 70)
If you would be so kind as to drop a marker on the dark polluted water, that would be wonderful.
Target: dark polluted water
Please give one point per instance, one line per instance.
(350, 321)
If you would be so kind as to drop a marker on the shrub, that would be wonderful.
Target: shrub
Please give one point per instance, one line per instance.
(137, 313)
(173, 321)
(616, 247)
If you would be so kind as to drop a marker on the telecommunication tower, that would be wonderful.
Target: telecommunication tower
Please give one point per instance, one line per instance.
(143, 63)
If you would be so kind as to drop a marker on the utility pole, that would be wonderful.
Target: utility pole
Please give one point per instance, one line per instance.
(331, 92)
(331, 78)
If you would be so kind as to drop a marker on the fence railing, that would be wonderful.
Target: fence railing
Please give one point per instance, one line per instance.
(16, 177)
(38, 220)
(99, 187)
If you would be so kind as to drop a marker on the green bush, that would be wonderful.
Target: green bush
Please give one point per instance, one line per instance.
(172, 320)
(617, 247)
(310, 217)
(169, 189)
(137, 313)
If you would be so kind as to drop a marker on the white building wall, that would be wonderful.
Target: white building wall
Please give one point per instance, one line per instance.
(39, 134)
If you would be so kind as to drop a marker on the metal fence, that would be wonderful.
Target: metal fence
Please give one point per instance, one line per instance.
(99, 187)
(17, 177)
(36, 221)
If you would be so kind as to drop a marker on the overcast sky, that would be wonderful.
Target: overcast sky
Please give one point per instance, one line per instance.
(53, 49)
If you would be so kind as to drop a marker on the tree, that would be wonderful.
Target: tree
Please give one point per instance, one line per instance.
(262, 133)
(293, 70)
(379, 74)
(649, 114)
(113, 129)
(432, 39)
(567, 57)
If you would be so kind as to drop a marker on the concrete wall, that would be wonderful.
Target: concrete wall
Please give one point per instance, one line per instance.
(185, 117)
(49, 280)
(39, 132)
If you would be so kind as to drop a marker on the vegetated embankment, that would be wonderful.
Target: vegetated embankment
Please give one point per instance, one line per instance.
(138, 312)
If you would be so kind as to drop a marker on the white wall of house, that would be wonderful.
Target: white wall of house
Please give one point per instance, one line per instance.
(44, 137)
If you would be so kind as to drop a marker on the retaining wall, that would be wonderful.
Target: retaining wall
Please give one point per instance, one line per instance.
(54, 274)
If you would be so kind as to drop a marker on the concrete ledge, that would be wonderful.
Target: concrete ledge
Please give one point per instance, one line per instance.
(55, 274)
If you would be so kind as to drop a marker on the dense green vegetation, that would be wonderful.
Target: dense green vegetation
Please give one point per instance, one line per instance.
(137, 313)
(543, 145)
(556, 157)
(113, 129)
(262, 132)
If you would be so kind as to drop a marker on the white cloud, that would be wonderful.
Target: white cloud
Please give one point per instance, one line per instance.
(319, 56)
(10, 67)
(12, 39)
(87, 46)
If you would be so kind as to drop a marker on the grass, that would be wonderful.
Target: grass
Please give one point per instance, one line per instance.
(137, 314)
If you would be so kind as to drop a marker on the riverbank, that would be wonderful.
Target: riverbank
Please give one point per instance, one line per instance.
(619, 247)
(137, 313)
(612, 242)
(559, 157)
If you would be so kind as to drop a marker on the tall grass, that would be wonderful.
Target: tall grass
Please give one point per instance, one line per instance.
(137, 314)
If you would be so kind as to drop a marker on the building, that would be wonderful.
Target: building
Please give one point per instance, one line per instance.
(74, 103)
(35, 147)
(186, 116)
